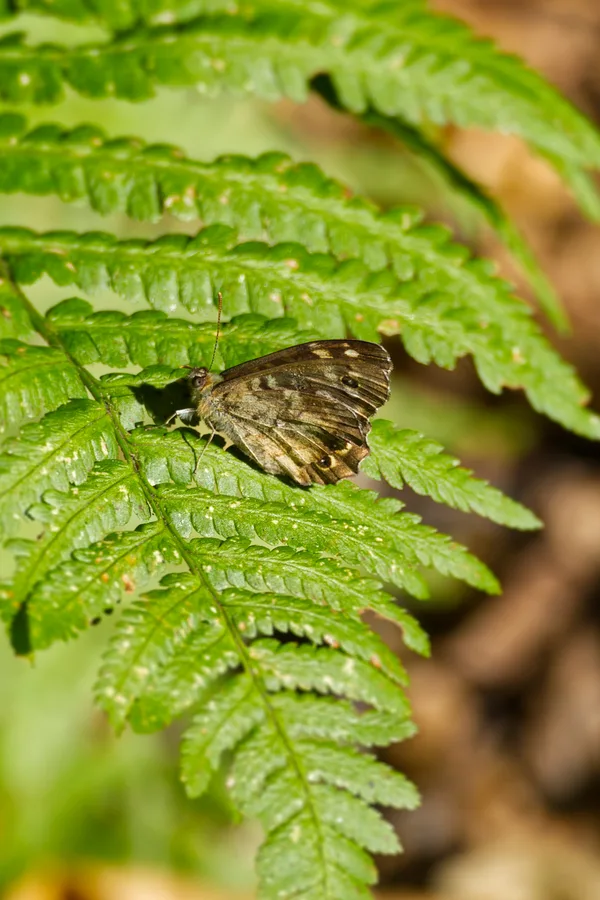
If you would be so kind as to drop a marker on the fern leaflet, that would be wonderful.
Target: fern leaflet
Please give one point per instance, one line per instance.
(408, 457)
(323, 296)
(269, 197)
(407, 62)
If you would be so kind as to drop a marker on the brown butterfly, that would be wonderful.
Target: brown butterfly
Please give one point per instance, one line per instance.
(302, 412)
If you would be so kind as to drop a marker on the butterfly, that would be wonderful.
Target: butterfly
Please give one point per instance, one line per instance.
(302, 412)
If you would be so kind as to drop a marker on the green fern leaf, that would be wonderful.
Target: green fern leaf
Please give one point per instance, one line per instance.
(262, 756)
(70, 520)
(151, 337)
(223, 722)
(268, 197)
(410, 62)
(281, 570)
(14, 321)
(266, 614)
(95, 579)
(304, 715)
(54, 453)
(165, 652)
(343, 866)
(489, 209)
(581, 184)
(306, 668)
(33, 381)
(402, 456)
(321, 295)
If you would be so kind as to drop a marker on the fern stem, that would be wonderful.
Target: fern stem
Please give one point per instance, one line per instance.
(45, 330)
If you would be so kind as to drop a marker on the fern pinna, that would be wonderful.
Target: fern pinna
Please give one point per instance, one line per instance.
(240, 595)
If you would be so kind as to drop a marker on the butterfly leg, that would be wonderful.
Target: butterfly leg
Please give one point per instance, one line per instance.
(186, 415)
(204, 449)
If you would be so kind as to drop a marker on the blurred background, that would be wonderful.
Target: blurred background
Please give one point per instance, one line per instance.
(508, 754)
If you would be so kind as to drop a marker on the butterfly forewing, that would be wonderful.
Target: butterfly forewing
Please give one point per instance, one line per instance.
(302, 412)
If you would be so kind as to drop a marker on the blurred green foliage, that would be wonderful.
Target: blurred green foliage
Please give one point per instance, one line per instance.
(69, 789)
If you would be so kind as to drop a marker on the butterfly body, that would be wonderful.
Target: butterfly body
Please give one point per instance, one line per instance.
(302, 412)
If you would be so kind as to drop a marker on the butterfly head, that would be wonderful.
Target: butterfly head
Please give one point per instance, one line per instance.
(198, 379)
(201, 382)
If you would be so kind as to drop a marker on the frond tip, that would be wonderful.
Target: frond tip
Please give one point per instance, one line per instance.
(407, 457)
(294, 754)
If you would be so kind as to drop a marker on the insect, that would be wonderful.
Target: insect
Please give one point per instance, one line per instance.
(302, 412)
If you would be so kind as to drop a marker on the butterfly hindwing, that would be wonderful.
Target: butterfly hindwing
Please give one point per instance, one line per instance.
(302, 412)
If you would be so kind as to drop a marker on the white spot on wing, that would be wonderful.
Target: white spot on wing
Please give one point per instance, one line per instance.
(353, 353)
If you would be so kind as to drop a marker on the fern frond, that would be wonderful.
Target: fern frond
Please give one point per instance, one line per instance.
(95, 579)
(342, 520)
(153, 338)
(127, 14)
(410, 62)
(54, 453)
(322, 295)
(164, 654)
(247, 562)
(470, 192)
(403, 456)
(268, 197)
(33, 381)
(14, 321)
(307, 668)
(70, 520)
(282, 570)
(336, 720)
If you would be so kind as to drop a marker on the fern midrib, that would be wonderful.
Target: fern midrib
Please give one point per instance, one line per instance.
(49, 335)
(152, 38)
(46, 459)
(128, 327)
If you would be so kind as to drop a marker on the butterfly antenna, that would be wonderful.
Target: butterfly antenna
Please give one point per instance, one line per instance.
(220, 310)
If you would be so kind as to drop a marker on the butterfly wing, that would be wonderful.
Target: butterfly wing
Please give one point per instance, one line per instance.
(303, 412)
